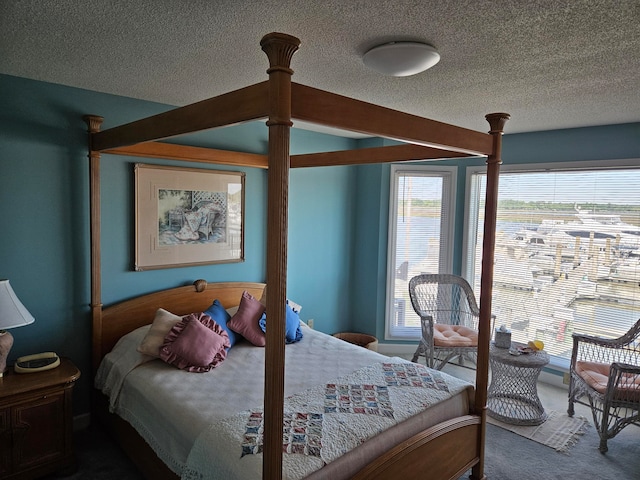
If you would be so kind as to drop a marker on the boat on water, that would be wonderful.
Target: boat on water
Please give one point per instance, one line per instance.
(602, 226)
(555, 247)
(528, 242)
(600, 229)
(626, 270)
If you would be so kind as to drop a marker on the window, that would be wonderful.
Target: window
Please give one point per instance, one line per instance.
(567, 253)
(421, 211)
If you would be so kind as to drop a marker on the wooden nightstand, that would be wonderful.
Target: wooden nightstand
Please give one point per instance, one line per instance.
(36, 430)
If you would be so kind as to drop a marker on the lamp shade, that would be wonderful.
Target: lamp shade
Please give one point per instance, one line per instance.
(12, 312)
(401, 59)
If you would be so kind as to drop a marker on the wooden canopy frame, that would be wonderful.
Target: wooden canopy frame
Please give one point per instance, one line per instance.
(279, 100)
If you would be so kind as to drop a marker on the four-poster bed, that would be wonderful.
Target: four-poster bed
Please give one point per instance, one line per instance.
(446, 449)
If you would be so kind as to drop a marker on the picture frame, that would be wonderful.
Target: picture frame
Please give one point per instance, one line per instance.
(187, 217)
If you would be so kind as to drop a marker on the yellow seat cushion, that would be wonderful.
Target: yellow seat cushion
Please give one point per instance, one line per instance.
(596, 375)
(454, 336)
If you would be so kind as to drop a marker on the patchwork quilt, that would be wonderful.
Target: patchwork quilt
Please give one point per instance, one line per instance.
(321, 423)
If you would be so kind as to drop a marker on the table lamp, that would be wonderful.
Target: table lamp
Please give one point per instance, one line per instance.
(12, 314)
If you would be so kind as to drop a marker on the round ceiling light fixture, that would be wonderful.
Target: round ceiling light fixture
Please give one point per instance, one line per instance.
(401, 59)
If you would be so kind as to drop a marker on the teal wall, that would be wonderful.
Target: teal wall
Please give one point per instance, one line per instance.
(337, 223)
(44, 205)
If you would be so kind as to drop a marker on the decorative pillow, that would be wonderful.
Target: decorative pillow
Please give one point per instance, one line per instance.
(222, 317)
(292, 332)
(245, 321)
(196, 344)
(294, 306)
(162, 324)
(263, 298)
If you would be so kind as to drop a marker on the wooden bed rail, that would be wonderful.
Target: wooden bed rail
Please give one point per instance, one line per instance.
(249, 103)
(325, 108)
(410, 460)
(361, 156)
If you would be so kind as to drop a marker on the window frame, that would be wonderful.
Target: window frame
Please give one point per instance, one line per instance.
(471, 214)
(449, 198)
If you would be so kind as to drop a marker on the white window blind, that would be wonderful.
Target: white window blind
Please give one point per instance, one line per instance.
(567, 253)
(420, 227)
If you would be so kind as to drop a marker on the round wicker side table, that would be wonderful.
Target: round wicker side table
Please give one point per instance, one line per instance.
(513, 393)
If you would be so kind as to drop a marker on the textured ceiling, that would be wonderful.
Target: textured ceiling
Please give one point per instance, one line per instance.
(550, 64)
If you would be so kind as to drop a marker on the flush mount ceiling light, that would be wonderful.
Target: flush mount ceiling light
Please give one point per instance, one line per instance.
(401, 59)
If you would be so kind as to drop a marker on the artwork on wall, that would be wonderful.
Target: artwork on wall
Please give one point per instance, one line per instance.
(187, 217)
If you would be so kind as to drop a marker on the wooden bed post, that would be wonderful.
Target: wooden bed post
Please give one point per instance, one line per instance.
(93, 123)
(279, 48)
(496, 123)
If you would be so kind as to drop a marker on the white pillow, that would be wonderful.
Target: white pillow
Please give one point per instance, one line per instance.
(263, 298)
(294, 306)
(161, 326)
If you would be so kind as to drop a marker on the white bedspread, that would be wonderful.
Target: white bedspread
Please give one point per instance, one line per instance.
(171, 408)
(322, 423)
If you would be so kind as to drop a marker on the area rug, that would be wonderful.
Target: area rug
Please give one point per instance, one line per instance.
(559, 431)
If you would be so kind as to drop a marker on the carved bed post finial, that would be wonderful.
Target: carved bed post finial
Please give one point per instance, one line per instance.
(94, 122)
(279, 48)
(497, 121)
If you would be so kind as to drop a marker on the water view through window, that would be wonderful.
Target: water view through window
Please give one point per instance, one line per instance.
(419, 240)
(567, 254)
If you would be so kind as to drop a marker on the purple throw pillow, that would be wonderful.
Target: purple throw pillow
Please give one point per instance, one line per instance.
(245, 321)
(196, 344)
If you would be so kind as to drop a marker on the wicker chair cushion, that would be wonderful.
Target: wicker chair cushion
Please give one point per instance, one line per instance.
(454, 336)
(596, 375)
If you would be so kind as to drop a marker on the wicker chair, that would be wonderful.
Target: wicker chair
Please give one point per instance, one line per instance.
(607, 372)
(449, 317)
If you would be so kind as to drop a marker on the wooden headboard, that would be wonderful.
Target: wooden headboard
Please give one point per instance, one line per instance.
(124, 317)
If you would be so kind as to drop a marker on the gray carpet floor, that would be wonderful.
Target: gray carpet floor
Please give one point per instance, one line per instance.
(512, 457)
(98, 457)
(508, 457)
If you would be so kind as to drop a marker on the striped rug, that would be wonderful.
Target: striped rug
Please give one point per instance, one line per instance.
(559, 431)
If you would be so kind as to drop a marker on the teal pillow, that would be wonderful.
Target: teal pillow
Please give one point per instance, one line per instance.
(221, 317)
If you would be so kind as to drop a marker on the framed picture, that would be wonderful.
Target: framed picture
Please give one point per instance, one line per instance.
(188, 216)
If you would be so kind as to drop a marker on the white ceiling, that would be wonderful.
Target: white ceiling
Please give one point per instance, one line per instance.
(549, 63)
